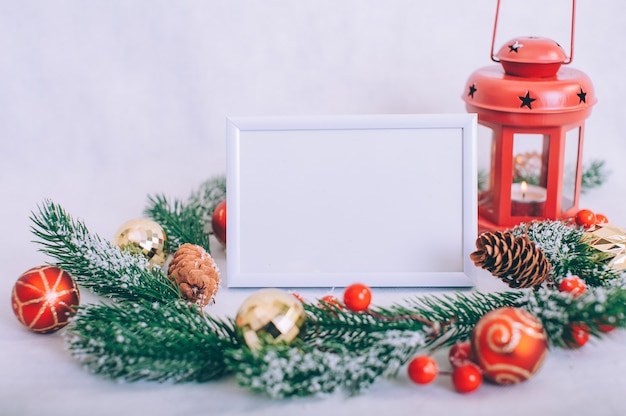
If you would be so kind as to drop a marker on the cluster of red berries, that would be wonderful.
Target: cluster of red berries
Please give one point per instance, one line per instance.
(466, 375)
(577, 334)
(587, 218)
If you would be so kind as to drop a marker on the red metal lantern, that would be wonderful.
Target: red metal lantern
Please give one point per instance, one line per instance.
(532, 112)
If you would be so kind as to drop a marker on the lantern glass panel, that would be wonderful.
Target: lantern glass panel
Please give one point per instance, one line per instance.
(529, 177)
(485, 144)
(572, 141)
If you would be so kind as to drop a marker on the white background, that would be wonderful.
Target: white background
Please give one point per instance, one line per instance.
(105, 102)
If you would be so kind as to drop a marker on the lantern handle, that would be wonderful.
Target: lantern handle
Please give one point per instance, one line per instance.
(571, 45)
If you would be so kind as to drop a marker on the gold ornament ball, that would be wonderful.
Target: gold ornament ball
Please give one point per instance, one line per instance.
(145, 236)
(270, 316)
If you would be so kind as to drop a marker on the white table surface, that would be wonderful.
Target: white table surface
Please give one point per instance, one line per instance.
(39, 377)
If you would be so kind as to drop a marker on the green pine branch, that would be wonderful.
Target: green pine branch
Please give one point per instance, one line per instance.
(182, 223)
(593, 176)
(596, 306)
(208, 195)
(563, 247)
(94, 262)
(150, 341)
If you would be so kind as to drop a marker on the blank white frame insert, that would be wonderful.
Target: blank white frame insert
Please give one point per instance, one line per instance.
(327, 201)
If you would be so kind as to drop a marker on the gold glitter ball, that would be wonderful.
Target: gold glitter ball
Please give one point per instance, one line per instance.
(270, 316)
(144, 236)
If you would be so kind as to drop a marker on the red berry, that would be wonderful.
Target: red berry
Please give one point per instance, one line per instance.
(332, 300)
(585, 218)
(574, 285)
(576, 335)
(467, 378)
(606, 324)
(218, 222)
(460, 353)
(298, 296)
(601, 219)
(357, 297)
(423, 369)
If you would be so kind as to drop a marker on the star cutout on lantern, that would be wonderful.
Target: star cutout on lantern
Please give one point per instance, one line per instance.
(526, 101)
(582, 95)
(472, 90)
(515, 47)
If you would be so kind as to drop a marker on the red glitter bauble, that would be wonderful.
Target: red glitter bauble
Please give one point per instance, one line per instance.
(218, 222)
(509, 345)
(44, 298)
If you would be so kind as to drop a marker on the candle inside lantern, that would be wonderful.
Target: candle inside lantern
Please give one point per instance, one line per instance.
(527, 200)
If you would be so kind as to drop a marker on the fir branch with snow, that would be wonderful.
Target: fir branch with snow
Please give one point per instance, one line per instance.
(94, 262)
(324, 365)
(595, 309)
(151, 341)
(568, 254)
(182, 223)
(208, 195)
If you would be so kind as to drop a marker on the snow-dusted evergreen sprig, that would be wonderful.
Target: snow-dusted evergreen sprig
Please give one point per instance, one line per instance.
(324, 366)
(206, 198)
(94, 262)
(563, 247)
(596, 307)
(182, 223)
(150, 341)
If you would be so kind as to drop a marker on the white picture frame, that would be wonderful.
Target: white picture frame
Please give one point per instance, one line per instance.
(327, 201)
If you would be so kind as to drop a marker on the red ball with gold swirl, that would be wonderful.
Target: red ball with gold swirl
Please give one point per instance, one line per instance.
(509, 345)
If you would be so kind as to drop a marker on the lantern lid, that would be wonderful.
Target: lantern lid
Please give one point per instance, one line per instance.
(531, 56)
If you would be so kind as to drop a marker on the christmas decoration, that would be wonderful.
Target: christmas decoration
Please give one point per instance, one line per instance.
(357, 297)
(574, 285)
(182, 222)
(576, 335)
(145, 236)
(44, 298)
(218, 222)
(509, 345)
(585, 218)
(466, 378)
(460, 353)
(516, 260)
(270, 316)
(601, 219)
(609, 240)
(332, 301)
(144, 331)
(208, 196)
(195, 273)
(528, 101)
(423, 369)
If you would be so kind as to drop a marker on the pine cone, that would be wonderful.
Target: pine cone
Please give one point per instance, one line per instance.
(515, 260)
(195, 273)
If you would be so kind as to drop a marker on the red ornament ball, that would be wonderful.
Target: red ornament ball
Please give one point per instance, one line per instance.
(585, 218)
(357, 297)
(574, 285)
(509, 345)
(218, 222)
(423, 369)
(466, 378)
(460, 353)
(44, 298)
